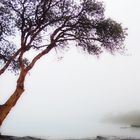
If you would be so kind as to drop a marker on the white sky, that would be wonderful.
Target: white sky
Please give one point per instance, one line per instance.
(68, 98)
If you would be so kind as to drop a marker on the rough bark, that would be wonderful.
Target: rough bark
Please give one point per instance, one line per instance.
(10, 103)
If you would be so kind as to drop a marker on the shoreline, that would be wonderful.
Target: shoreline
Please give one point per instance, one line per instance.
(8, 137)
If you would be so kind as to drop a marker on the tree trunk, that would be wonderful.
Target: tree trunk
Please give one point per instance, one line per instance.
(10, 103)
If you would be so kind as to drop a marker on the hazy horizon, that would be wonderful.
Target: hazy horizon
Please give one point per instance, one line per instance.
(72, 98)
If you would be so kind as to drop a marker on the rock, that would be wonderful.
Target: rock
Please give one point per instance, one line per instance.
(4, 137)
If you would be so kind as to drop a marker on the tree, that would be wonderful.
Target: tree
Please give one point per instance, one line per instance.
(43, 25)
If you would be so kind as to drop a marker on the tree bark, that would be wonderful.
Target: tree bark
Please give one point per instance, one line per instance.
(10, 103)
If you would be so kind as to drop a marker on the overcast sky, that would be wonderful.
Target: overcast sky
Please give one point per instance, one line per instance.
(68, 98)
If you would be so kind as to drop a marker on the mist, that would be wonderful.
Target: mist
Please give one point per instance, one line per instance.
(130, 118)
(81, 96)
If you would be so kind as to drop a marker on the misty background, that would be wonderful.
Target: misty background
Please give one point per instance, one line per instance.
(73, 95)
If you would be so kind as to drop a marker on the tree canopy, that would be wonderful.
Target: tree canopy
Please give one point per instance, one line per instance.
(41, 25)
(35, 27)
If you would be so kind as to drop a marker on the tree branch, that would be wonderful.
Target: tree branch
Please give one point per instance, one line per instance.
(37, 57)
(2, 70)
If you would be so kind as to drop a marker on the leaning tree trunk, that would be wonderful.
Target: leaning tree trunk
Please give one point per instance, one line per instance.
(10, 103)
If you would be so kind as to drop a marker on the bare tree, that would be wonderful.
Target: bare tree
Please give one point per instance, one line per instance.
(43, 25)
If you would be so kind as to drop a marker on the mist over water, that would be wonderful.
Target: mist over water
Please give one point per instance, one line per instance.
(77, 101)
(81, 96)
(126, 124)
(129, 118)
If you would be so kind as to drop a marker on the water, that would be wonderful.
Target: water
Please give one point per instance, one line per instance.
(118, 130)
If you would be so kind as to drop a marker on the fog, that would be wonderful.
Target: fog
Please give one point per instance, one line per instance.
(80, 95)
(127, 119)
